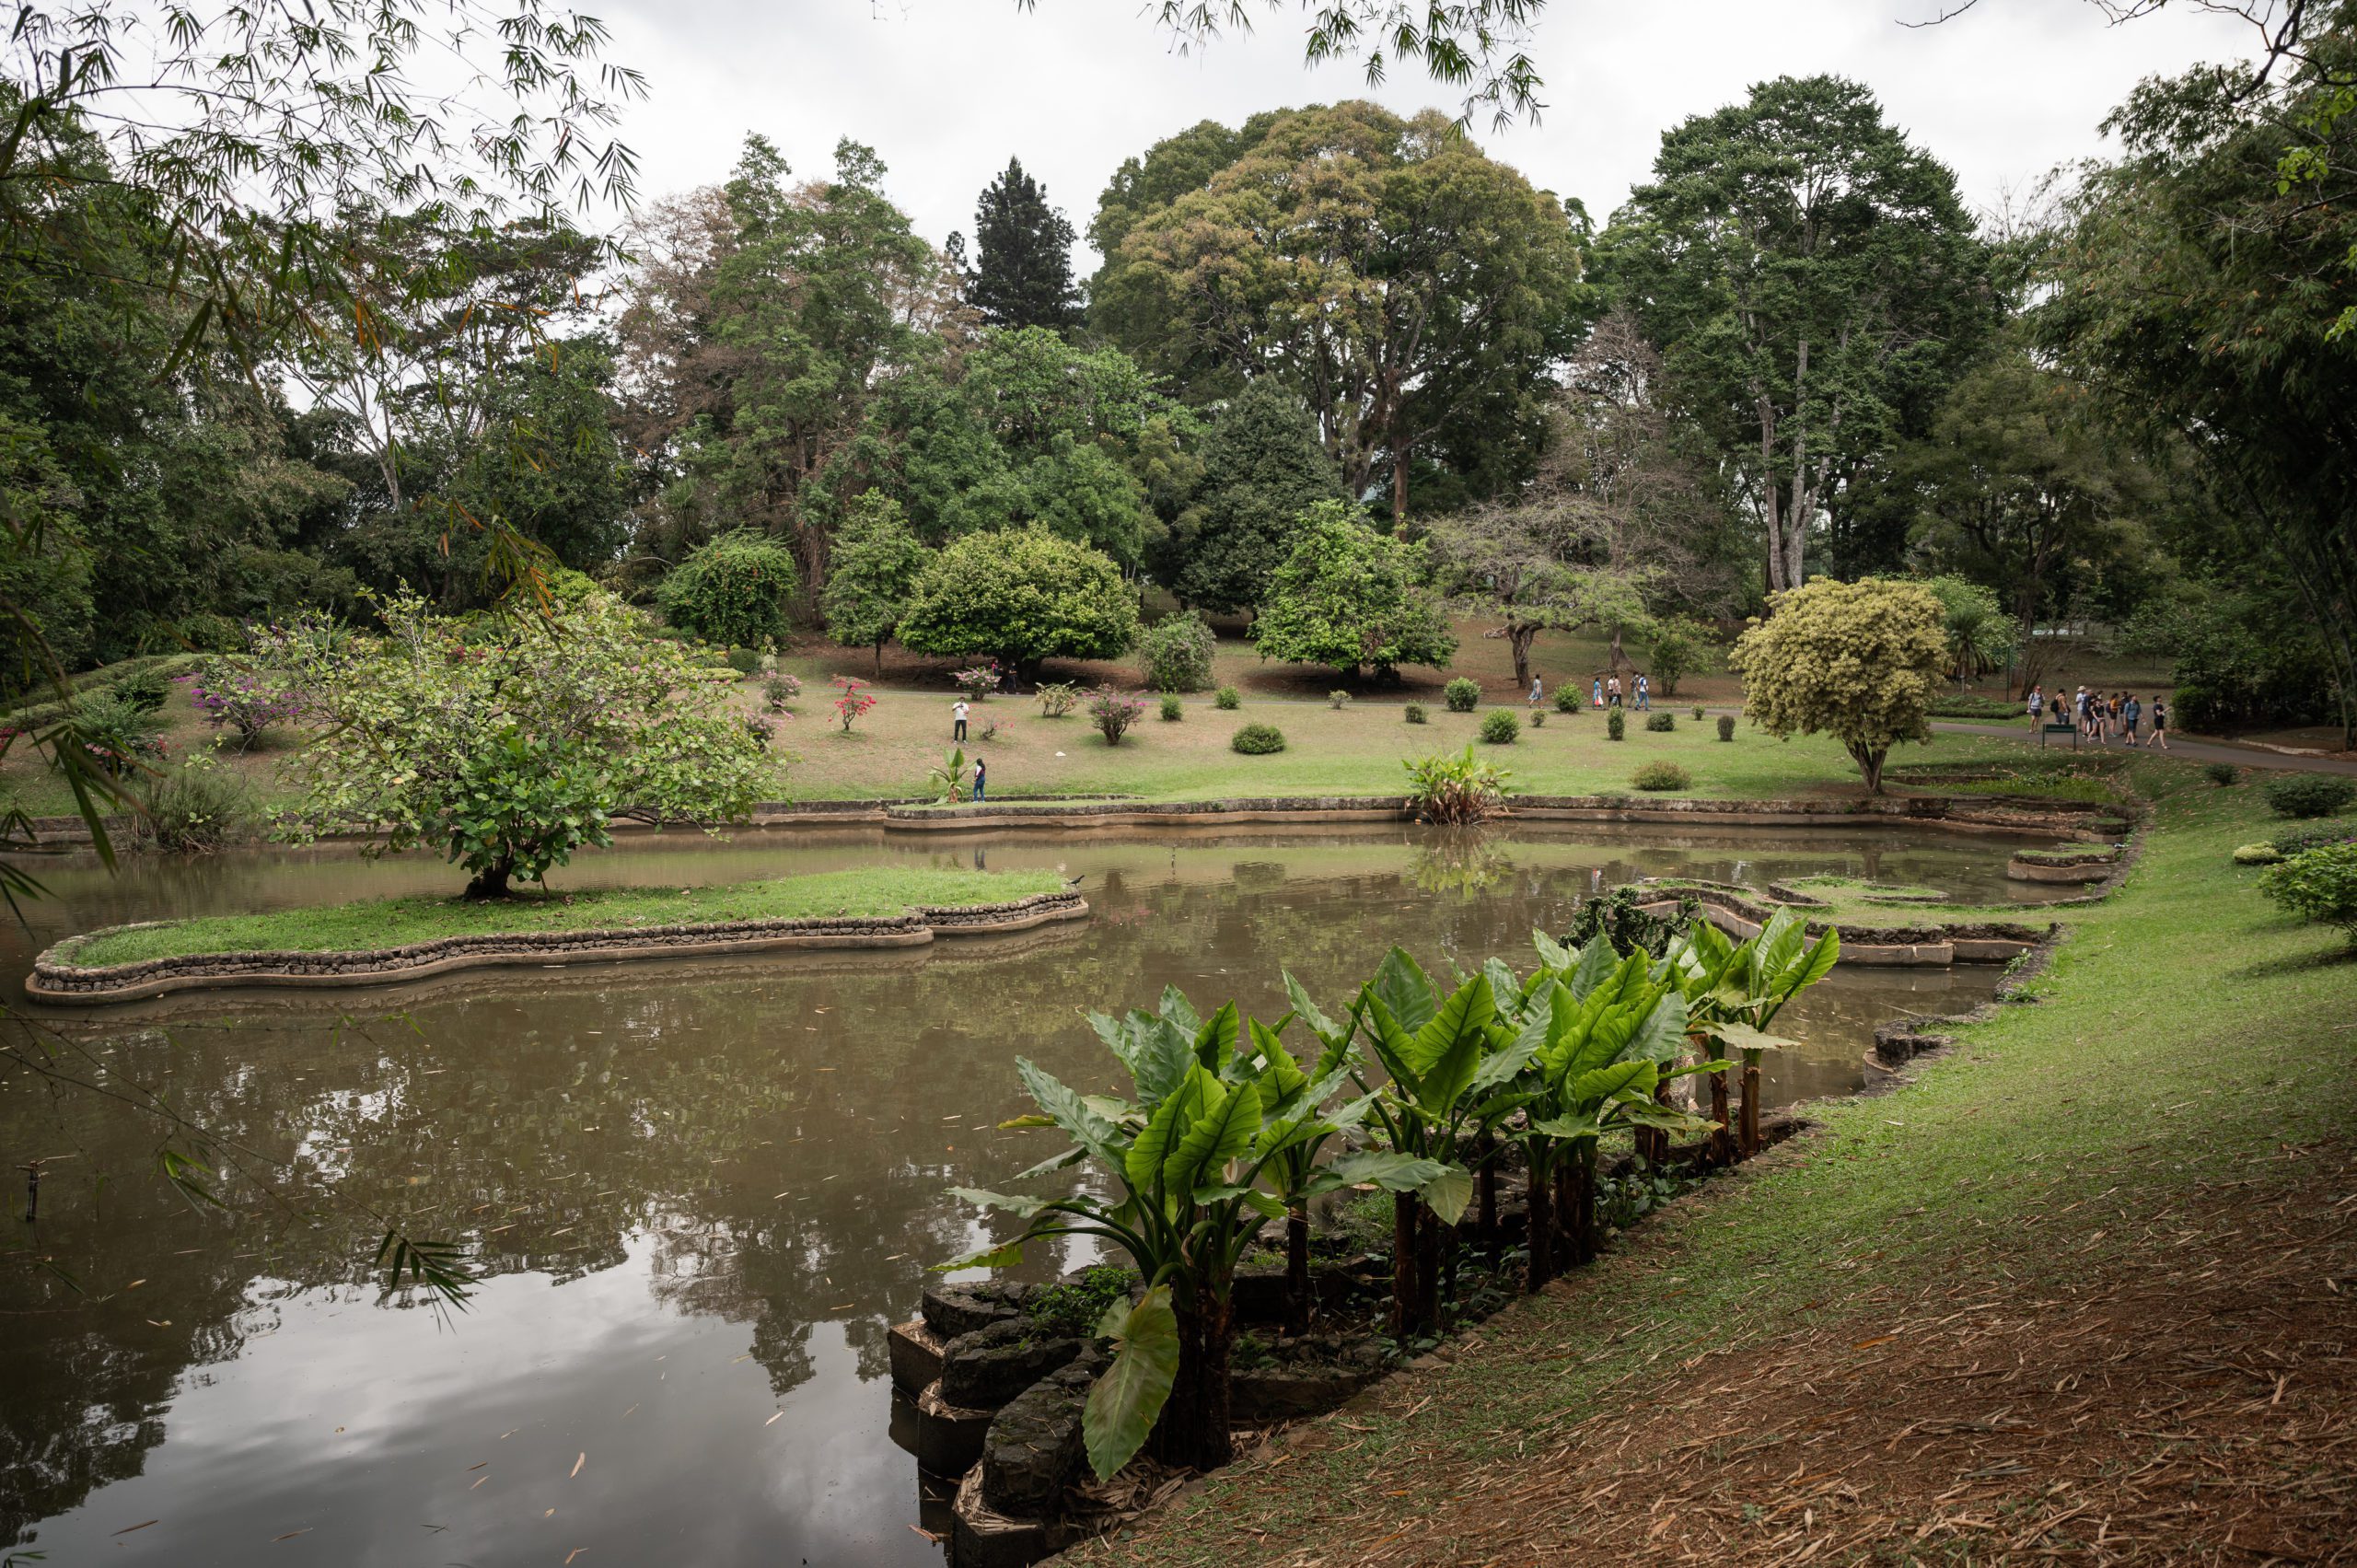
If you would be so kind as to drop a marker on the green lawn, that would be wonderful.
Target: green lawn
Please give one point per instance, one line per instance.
(2187, 1034)
(393, 922)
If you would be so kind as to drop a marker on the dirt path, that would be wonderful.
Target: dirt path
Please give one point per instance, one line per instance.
(2187, 1394)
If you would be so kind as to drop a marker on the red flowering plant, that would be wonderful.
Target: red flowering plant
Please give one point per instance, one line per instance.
(854, 701)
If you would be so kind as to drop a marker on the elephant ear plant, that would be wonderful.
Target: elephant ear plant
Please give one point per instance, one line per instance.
(1734, 991)
(1192, 1159)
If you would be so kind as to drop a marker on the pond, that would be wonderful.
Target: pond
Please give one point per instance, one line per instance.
(699, 1191)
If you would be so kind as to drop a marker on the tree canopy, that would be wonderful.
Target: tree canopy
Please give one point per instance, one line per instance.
(1861, 661)
(1806, 271)
(1351, 598)
(1262, 469)
(1411, 290)
(1022, 597)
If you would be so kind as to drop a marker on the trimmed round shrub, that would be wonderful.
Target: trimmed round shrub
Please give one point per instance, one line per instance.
(1726, 726)
(1661, 724)
(145, 692)
(2309, 794)
(1259, 739)
(1697, 713)
(1173, 708)
(744, 661)
(2220, 774)
(1538, 719)
(2320, 886)
(733, 591)
(1227, 699)
(1461, 695)
(2256, 855)
(1662, 775)
(1338, 701)
(1567, 699)
(1176, 653)
(1500, 727)
(1415, 713)
(1616, 724)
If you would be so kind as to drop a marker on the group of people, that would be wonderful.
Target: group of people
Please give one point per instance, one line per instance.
(2098, 717)
(1606, 692)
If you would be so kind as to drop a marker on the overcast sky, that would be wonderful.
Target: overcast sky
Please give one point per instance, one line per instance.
(947, 90)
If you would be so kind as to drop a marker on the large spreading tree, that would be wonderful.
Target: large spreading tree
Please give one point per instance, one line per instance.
(1807, 271)
(1022, 597)
(1262, 469)
(1860, 661)
(1414, 292)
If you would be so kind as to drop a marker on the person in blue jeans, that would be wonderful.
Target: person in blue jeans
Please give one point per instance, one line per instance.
(981, 782)
(2130, 712)
(1644, 694)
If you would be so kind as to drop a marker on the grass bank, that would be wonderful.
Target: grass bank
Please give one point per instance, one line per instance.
(379, 924)
(2190, 1051)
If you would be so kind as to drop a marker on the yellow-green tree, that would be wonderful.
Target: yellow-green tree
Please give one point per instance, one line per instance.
(1860, 661)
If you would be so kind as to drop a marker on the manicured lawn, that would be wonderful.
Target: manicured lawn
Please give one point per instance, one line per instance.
(1354, 751)
(2188, 1034)
(391, 922)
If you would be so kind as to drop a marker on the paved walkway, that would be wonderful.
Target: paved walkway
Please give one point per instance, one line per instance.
(2182, 747)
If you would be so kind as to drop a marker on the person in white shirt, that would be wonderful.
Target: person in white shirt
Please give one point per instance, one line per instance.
(957, 720)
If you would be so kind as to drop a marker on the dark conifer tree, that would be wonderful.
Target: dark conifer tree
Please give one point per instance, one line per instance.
(1023, 256)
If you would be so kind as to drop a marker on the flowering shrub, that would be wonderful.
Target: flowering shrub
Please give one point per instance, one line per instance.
(979, 682)
(511, 746)
(1057, 698)
(778, 690)
(762, 728)
(853, 699)
(233, 693)
(1114, 711)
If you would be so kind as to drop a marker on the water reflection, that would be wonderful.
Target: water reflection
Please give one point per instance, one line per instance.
(699, 1192)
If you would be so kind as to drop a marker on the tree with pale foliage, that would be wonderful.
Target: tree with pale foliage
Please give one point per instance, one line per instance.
(507, 752)
(1860, 661)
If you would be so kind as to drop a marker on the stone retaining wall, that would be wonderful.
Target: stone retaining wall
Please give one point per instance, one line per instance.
(57, 979)
(1738, 912)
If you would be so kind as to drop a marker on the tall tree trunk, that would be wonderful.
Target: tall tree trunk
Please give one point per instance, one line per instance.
(1542, 1228)
(1403, 1264)
(1519, 636)
(1297, 1269)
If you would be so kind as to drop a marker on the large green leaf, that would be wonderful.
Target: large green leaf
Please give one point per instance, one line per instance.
(1392, 1171)
(1448, 1193)
(1125, 1399)
(1092, 1131)
(1280, 1077)
(1401, 985)
(1663, 1034)
(1552, 953)
(1596, 963)
(1164, 1054)
(1319, 1024)
(1180, 1011)
(1001, 1257)
(1023, 1204)
(1393, 1045)
(1743, 1037)
(1218, 1041)
(1466, 1012)
(1223, 1129)
(1143, 1164)
(1596, 1086)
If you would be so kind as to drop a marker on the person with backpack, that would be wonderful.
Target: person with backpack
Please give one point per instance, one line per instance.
(1645, 694)
(2129, 714)
(2036, 706)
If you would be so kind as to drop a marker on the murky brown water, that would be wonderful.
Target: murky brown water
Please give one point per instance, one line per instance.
(699, 1192)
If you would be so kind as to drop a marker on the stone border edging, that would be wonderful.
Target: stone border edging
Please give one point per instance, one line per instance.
(1738, 912)
(56, 980)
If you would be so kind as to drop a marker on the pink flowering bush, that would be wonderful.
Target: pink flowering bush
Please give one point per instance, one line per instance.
(854, 700)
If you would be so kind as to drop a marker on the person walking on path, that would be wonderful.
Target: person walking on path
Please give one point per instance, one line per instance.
(1644, 694)
(1612, 690)
(1536, 690)
(1598, 693)
(2036, 706)
(2160, 722)
(2130, 714)
(980, 781)
(957, 720)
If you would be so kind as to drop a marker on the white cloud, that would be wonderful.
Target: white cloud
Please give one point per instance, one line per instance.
(947, 90)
